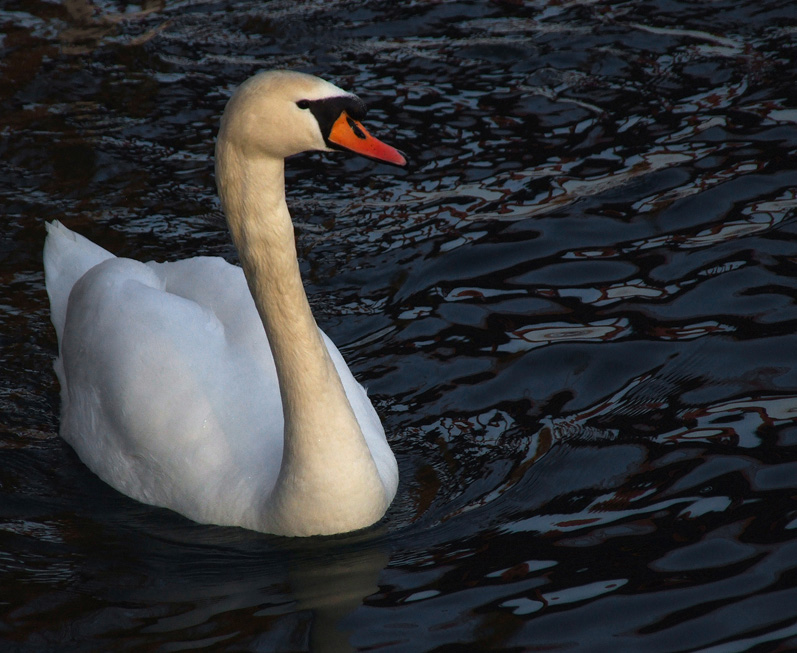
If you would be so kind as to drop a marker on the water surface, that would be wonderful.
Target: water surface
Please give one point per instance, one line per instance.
(575, 311)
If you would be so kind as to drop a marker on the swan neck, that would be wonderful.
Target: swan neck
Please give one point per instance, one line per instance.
(328, 479)
(262, 231)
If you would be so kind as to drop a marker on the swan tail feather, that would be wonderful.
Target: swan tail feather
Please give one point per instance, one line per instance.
(67, 257)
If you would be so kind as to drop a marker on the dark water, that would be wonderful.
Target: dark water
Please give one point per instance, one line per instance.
(575, 311)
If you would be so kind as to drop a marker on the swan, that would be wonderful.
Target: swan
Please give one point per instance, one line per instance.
(208, 389)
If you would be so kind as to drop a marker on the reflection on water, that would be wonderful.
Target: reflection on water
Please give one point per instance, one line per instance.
(575, 311)
(87, 26)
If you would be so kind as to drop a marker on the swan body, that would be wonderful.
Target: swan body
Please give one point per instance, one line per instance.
(207, 388)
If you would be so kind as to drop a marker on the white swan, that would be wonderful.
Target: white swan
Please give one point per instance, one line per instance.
(181, 391)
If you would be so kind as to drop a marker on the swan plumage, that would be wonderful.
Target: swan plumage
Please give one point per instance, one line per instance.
(206, 388)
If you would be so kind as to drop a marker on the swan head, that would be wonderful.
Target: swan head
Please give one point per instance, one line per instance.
(280, 113)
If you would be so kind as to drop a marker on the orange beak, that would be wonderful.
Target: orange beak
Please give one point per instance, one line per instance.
(351, 135)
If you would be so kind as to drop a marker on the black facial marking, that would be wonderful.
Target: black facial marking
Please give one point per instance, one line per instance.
(328, 110)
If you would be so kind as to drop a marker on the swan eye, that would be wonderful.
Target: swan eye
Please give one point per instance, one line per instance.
(303, 104)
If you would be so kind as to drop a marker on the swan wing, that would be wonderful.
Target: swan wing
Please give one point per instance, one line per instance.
(168, 387)
(160, 404)
(369, 421)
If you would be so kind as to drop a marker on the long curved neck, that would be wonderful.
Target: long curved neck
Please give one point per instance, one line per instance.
(328, 481)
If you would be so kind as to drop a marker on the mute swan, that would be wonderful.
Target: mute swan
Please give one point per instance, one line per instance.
(181, 391)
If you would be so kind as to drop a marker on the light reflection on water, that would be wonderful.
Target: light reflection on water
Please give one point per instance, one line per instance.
(575, 312)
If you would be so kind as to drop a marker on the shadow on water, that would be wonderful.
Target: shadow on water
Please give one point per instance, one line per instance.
(575, 312)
